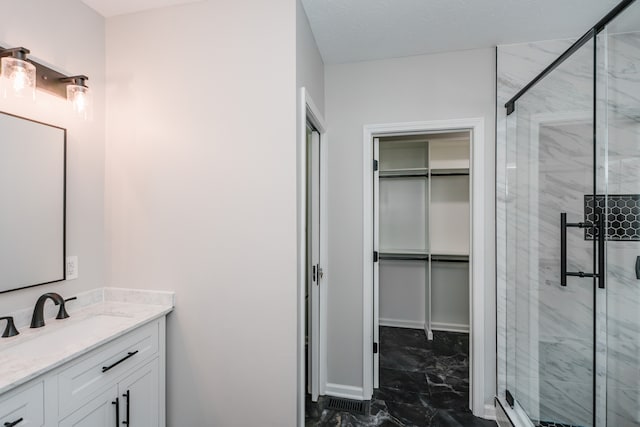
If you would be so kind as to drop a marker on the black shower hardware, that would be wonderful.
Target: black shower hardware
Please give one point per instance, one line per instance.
(599, 231)
(638, 267)
(10, 330)
(588, 36)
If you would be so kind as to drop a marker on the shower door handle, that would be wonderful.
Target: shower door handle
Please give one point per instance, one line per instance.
(563, 249)
(602, 236)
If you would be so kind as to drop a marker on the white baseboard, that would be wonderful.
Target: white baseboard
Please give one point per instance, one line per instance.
(346, 391)
(489, 412)
(449, 327)
(398, 323)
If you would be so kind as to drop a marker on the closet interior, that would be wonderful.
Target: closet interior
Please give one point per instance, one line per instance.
(424, 231)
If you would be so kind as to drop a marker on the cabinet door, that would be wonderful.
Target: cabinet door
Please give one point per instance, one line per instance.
(25, 408)
(140, 397)
(99, 412)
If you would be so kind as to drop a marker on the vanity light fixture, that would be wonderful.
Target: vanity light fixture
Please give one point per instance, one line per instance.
(21, 76)
(18, 77)
(79, 95)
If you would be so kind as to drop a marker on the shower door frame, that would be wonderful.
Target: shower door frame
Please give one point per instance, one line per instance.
(599, 263)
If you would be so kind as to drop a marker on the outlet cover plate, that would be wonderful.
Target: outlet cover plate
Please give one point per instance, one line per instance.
(72, 267)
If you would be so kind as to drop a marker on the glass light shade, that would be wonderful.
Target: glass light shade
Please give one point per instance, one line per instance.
(81, 100)
(18, 78)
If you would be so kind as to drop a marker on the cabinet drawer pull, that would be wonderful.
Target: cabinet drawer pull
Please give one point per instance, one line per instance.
(15, 423)
(130, 354)
(127, 396)
(117, 403)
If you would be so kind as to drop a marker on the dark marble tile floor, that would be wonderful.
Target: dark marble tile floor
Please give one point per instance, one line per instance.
(422, 384)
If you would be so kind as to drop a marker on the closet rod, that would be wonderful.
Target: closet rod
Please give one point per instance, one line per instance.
(450, 174)
(424, 175)
(436, 259)
(413, 175)
(404, 257)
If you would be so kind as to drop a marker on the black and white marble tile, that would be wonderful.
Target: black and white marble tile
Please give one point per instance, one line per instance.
(422, 384)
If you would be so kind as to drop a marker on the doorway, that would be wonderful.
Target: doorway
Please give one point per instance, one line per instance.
(314, 271)
(312, 253)
(421, 255)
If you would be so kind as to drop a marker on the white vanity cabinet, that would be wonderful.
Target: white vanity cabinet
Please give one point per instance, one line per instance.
(99, 412)
(119, 383)
(128, 368)
(23, 408)
(134, 401)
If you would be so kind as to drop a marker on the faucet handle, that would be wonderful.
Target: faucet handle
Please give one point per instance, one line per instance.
(10, 330)
(62, 312)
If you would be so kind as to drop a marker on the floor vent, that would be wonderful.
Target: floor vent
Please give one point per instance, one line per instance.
(348, 405)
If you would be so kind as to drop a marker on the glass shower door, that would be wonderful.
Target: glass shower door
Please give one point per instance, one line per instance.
(552, 248)
(618, 101)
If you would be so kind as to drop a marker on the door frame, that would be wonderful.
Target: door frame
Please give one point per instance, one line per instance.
(308, 111)
(476, 258)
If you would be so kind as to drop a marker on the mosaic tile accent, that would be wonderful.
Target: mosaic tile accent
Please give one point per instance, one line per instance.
(623, 213)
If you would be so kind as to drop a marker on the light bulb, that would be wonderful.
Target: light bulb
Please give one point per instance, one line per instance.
(81, 100)
(18, 78)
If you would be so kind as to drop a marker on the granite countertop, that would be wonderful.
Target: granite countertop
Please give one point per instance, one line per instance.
(97, 317)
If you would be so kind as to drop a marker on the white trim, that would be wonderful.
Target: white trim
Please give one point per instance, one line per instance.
(367, 264)
(399, 323)
(489, 412)
(307, 110)
(476, 261)
(345, 391)
(449, 327)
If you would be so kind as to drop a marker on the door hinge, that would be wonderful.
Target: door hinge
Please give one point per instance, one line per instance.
(375, 165)
(375, 348)
(375, 256)
(313, 273)
(510, 400)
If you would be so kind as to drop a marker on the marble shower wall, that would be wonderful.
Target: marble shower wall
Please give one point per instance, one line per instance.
(623, 288)
(517, 65)
(545, 344)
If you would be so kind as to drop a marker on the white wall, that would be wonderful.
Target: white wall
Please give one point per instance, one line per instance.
(431, 87)
(68, 36)
(309, 64)
(201, 198)
(310, 75)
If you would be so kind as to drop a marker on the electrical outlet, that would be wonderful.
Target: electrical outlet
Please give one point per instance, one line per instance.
(72, 267)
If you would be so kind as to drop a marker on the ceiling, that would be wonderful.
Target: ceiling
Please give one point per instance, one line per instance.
(360, 30)
(109, 8)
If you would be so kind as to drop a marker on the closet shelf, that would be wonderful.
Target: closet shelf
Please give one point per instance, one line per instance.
(449, 172)
(403, 257)
(404, 254)
(450, 253)
(450, 258)
(415, 255)
(423, 172)
(404, 173)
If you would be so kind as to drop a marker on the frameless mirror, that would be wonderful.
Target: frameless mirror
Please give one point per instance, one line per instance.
(32, 213)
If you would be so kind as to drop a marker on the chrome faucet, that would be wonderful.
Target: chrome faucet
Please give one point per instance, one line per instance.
(37, 320)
